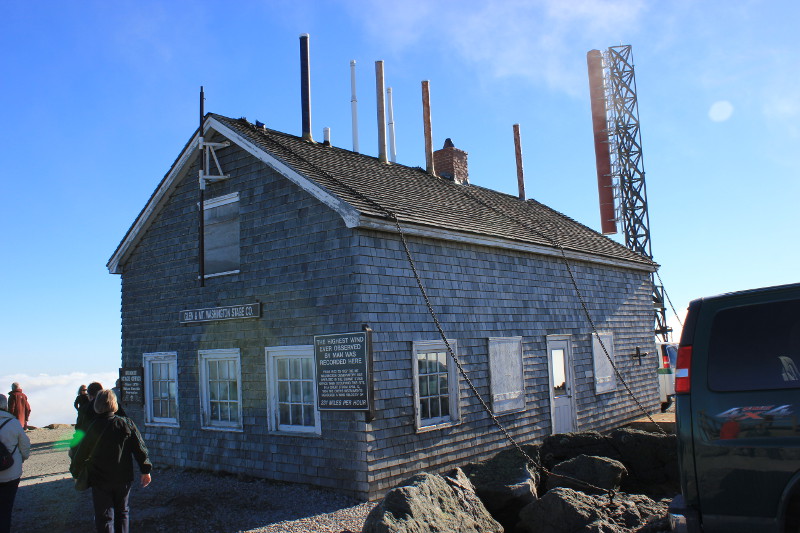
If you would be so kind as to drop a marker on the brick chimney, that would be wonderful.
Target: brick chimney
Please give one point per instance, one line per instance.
(451, 163)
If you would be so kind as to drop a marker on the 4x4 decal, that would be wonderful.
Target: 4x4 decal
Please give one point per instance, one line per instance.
(757, 412)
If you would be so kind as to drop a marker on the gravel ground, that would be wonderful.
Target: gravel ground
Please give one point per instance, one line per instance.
(176, 501)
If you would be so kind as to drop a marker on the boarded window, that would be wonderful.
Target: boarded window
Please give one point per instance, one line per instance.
(221, 234)
(506, 376)
(605, 379)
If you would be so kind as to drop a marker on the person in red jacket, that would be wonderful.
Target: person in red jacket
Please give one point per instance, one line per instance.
(18, 405)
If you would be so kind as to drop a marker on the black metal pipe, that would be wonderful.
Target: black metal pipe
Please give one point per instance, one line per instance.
(305, 87)
(201, 253)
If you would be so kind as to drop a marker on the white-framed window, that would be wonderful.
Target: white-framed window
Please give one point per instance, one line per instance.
(506, 376)
(436, 387)
(220, 389)
(605, 379)
(161, 388)
(291, 389)
(221, 235)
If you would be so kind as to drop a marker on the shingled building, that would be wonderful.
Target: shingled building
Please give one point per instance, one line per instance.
(303, 240)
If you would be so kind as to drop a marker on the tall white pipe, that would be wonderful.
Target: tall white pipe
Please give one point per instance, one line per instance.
(326, 134)
(354, 103)
(392, 145)
(379, 90)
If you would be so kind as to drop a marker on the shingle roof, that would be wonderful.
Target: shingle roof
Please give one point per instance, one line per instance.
(416, 197)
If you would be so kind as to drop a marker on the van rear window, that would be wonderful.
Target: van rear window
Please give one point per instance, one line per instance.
(755, 347)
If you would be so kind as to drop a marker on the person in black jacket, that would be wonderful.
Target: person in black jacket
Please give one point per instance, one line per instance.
(111, 445)
(87, 414)
(82, 398)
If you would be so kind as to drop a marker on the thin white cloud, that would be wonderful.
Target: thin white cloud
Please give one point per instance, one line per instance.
(532, 40)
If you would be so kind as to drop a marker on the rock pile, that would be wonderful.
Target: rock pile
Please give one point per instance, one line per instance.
(590, 482)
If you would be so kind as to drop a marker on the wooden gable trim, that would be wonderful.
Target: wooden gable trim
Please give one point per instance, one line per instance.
(349, 214)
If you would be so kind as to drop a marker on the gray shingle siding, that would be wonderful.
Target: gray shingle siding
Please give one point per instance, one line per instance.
(479, 293)
(314, 276)
(295, 260)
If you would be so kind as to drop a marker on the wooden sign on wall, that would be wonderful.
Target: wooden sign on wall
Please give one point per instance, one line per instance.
(343, 377)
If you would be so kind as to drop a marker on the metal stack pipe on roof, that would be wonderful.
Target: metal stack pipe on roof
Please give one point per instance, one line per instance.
(379, 91)
(392, 145)
(305, 87)
(426, 120)
(518, 154)
(354, 103)
(201, 191)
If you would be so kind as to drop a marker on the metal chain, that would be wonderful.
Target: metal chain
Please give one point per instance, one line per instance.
(530, 460)
(578, 292)
(392, 216)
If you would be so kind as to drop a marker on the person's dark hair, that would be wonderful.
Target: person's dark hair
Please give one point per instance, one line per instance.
(93, 388)
(106, 402)
(82, 389)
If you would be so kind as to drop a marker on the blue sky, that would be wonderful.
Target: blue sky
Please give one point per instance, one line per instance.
(100, 97)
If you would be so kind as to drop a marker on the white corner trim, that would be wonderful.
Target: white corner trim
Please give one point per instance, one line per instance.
(498, 242)
(349, 214)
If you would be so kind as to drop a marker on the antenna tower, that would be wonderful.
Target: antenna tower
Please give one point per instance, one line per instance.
(624, 146)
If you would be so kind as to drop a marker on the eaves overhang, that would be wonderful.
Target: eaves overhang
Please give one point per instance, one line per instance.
(499, 242)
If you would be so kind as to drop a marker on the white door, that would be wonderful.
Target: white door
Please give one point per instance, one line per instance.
(562, 406)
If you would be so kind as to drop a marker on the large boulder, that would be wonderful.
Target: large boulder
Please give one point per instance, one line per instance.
(601, 472)
(430, 502)
(560, 510)
(563, 510)
(651, 460)
(564, 446)
(506, 483)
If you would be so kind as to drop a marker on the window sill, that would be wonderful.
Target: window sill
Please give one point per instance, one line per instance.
(152, 424)
(229, 429)
(441, 425)
(307, 434)
(218, 274)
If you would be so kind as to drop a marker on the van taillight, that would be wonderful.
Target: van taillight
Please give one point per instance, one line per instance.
(665, 360)
(682, 370)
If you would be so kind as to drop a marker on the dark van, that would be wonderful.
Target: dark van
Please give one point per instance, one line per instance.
(737, 388)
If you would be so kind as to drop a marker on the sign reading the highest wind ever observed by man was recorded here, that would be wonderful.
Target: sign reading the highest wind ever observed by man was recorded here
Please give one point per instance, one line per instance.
(342, 371)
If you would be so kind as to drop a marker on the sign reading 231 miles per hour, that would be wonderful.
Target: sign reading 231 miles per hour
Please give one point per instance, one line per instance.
(342, 371)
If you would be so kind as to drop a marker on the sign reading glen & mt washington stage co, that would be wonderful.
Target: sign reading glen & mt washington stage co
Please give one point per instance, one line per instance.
(342, 371)
(228, 312)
